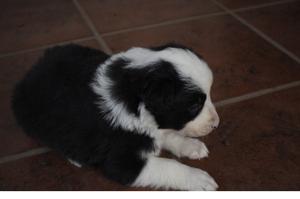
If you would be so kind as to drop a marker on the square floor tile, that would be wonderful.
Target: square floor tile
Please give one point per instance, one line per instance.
(242, 62)
(32, 23)
(234, 4)
(12, 69)
(112, 15)
(280, 22)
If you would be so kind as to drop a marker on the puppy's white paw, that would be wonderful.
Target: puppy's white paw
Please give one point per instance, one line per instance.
(193, 149)
(200, 180)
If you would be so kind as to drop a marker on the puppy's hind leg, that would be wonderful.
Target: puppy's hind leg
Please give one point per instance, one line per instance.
(170, 174)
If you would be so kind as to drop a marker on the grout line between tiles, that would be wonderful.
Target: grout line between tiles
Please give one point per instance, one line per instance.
(169, 22)
(256, 94)
(259, 33)
(262, 5)
(100, 40)
(186, 19)
(90, 24)
(45, 46)
(221, 103)
(29, 153)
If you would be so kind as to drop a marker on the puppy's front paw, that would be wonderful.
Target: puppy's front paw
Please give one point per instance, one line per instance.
(193, 149)
(201, 180)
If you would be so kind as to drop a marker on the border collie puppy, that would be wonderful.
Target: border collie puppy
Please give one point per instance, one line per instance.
(117, 112)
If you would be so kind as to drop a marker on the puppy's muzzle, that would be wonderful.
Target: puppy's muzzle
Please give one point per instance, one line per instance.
(215, 120)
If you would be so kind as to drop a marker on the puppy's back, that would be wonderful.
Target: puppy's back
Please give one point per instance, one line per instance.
(54, 99)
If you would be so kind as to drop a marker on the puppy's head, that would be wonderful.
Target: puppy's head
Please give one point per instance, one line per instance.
(177, 92)
(167, 87)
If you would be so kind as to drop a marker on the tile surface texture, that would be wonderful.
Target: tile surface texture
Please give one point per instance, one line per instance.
(112, 15)
(280, 22)
(234, 4)
(32, 23)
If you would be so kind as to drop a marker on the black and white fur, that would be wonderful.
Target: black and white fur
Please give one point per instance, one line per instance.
(117, 112)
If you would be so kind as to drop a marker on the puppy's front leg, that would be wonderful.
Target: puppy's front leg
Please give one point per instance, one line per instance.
(183, 146)
(167, 173)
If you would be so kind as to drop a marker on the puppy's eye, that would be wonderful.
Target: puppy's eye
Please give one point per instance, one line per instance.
(194, 109)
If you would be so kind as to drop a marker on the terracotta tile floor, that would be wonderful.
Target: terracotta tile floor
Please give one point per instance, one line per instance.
(254, 54)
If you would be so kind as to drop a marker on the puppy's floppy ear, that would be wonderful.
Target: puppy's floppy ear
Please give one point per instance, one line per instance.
(161, 82)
